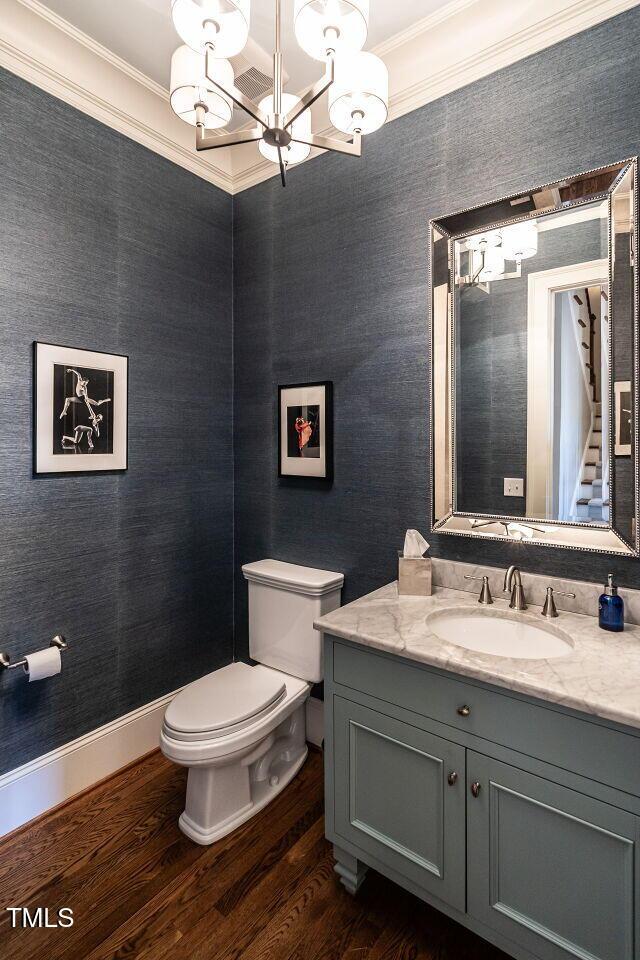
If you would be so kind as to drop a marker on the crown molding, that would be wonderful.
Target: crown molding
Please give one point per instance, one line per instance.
(66, 27)
(456, 45)
(48, 51)
(546, 31)
(422, 26)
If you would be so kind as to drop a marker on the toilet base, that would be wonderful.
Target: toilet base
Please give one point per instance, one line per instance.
(263, 795)
(222, 796)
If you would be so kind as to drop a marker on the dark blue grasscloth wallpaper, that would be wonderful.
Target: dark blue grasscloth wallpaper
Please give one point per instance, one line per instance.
(331, 283)
(107, 246)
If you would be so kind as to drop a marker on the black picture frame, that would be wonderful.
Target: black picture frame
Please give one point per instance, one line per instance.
(114, 459)
(309, 474)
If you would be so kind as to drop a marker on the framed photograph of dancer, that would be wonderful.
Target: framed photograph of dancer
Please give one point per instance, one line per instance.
(305, 430)
(80, 410)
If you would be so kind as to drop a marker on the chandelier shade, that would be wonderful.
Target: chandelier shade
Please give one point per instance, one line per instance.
(520, 240)
(359, 95)
(300, 129)
(493, 266)
(222, 24)
(190, 88)
(480, 241)
(338, 26)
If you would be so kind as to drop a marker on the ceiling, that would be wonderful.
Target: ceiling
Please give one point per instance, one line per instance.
(141, 31)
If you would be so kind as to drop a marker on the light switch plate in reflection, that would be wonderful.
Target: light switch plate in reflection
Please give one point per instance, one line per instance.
(513, 487)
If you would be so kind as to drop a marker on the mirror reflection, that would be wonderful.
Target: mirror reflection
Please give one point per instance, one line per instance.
(531, 321)
(533, 349)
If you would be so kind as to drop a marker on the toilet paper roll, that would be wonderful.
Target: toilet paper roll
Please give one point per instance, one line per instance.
(44, 663)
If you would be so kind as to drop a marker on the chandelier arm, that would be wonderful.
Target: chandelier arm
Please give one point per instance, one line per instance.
(236, 95)
(209, 140)
(312, 93)
(352, 148)
(283, 175)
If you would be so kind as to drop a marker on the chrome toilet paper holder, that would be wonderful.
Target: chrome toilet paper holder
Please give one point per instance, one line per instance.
(5, 660)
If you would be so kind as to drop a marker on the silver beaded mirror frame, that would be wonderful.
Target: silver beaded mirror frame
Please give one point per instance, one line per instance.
(535, 365)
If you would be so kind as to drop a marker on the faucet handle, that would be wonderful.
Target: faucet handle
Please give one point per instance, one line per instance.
(550, 610)
(485, 594)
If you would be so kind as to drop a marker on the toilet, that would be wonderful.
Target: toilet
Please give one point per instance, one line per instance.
(241, 730)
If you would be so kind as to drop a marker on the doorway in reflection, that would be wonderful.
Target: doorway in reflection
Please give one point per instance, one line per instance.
(579, 411)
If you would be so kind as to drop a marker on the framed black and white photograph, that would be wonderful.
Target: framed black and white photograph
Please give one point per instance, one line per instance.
(80, 410)
(623, 418)
(305, 430)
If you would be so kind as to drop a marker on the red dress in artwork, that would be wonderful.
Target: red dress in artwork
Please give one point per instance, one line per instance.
(304, 430)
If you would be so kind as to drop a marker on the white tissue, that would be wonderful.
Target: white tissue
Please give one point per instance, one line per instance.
(415, 544)
(44, 663)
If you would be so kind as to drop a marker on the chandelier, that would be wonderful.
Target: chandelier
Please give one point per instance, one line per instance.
(488, 252)
(203, 90)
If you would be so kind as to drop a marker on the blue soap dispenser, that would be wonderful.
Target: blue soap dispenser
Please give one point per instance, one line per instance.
(611, 609)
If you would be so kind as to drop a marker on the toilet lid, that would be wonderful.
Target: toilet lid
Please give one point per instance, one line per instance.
(228, 697)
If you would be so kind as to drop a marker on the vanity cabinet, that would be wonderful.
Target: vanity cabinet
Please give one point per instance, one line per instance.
(521, 847)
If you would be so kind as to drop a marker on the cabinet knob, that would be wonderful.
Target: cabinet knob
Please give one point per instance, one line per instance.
(464, 711)
(475, 788)
(452, 778)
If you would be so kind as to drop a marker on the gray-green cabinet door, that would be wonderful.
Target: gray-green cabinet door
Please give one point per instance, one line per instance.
(399, 795)
(550, 868)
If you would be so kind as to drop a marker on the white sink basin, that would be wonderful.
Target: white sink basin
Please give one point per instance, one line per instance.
(500, 634)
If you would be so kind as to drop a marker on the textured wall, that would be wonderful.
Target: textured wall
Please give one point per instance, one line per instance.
(107, 246)
(331, 282)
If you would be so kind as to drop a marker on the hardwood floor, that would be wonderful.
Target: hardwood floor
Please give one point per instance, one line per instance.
(139, 889)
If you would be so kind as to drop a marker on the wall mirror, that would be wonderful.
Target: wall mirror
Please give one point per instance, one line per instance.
(534, 350)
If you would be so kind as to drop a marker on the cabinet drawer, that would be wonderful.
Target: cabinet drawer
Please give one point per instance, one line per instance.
(399, 796)
(580, 746)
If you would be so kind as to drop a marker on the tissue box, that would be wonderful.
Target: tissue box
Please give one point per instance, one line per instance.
(414, 576)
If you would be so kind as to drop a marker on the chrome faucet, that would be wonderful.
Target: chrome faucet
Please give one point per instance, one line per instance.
(513, 582)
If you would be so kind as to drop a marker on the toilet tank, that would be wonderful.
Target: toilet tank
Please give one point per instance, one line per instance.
(284, 600)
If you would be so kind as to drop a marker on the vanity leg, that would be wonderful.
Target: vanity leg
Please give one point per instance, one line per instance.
(350, 870)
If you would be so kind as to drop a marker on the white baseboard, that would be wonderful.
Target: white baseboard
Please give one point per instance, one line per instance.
(315, 721)
(44, 783)
(47, 781)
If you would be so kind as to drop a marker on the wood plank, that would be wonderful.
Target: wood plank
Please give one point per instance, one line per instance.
(231, 937)
(280, 938)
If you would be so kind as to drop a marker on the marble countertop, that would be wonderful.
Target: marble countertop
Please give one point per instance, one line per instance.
(600, 675)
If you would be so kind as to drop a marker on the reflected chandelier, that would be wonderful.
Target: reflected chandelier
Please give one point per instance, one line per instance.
(203, 89)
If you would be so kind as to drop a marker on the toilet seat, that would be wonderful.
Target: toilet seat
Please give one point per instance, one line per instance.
(195, 749)
(224, 702)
